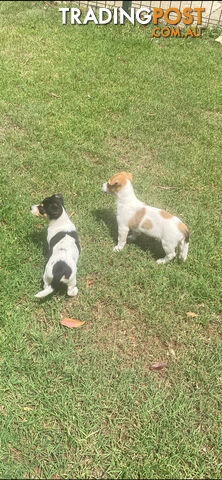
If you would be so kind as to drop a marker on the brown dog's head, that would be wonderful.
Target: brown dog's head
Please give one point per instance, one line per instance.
(117, 182)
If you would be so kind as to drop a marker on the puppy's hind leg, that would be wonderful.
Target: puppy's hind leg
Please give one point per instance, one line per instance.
(183, 249)
(170, 253)
(72, 289)
(47, 287)
(47, 290)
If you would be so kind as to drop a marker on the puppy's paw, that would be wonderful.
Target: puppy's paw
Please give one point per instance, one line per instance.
(117, 248)
(72, 291)
(160, 261)
(37, 295)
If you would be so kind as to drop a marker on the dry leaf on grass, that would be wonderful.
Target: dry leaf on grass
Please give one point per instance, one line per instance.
(71, 323)
(52, 94)
(158, 366)
(191, 314)
(71, 214)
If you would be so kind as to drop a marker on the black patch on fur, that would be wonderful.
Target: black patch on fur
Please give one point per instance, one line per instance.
(59, 270)
(52, 206)
(41, 210)
(59, 236)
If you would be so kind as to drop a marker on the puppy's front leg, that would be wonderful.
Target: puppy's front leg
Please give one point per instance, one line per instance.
(122, 236)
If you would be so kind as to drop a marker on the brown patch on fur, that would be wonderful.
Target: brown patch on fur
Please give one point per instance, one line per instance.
(184, 230)
(118, 181)
(165, 214)
(136, 219)
(37, 214)
(147, 224)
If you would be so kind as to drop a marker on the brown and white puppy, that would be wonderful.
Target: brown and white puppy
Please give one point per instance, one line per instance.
(132, 214)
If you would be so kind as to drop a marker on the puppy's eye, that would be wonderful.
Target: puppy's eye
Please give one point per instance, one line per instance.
(113, 185)
(41, 209)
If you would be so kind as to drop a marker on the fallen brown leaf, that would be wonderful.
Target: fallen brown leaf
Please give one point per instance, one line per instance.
(71, 323)
(158, 366)
(191, 314)
(71, 214)
(52, 94)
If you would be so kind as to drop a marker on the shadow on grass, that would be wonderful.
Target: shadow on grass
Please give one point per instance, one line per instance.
(144, 242)
(39, 239)
(107, 216)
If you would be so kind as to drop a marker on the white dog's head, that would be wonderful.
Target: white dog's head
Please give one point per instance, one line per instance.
(117, 182)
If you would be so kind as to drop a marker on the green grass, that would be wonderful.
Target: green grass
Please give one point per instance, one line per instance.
(84, 403)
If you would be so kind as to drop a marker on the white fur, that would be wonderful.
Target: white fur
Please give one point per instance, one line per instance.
(162, 229)
(34, 210)
(65, 250)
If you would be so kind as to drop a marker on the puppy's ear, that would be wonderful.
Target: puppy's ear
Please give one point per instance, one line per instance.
(126, 175)
(113, 182)
(59, 197)
(129, 176)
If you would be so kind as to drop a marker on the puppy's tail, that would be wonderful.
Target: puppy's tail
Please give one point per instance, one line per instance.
(184, 243)
(183, 249)
(44, 292)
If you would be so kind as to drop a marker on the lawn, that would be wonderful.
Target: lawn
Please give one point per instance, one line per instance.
(84, 403)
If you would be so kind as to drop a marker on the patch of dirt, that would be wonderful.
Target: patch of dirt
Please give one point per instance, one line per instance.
(16, 454)
(4, 224)
(45, 322)
(127, 338)
(90, 280)
(9, 127)
(94, 159)
(72, 303)
(212, 115)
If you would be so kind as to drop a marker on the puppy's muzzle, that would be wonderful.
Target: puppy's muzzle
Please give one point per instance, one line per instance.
(104, 187)
(35, 211)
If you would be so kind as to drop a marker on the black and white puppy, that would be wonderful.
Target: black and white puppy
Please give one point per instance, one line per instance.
(63, 244)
